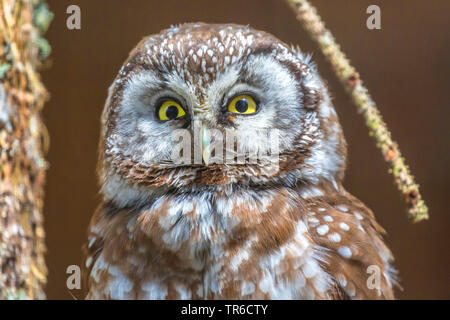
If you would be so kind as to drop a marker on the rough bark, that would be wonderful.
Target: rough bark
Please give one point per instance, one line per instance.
(23, 142)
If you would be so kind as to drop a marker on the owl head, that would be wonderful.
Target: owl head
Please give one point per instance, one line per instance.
(197, 85)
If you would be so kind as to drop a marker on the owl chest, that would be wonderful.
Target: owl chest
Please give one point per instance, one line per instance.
(228, 249)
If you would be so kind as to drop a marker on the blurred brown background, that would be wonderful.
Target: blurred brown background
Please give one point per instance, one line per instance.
(406, 66)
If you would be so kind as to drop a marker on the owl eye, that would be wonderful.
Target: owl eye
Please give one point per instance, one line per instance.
(243, 104)
(170, 110)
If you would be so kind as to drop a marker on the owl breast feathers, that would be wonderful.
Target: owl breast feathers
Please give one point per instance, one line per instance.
(221, 166)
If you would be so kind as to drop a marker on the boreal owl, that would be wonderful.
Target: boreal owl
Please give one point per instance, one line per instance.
(265, 227)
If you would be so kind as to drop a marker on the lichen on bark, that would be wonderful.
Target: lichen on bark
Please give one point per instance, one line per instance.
(23, 142)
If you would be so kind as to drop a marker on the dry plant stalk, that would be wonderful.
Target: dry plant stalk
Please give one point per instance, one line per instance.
(308, 16)
(22, 145)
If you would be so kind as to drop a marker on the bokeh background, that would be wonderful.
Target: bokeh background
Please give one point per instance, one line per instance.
(406, 66)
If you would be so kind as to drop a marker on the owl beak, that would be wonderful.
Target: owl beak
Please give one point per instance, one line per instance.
(206, 143)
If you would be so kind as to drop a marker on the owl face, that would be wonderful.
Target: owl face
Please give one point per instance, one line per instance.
(232, 92)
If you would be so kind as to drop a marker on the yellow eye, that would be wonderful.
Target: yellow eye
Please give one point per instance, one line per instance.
(170, 110)
(243, 104)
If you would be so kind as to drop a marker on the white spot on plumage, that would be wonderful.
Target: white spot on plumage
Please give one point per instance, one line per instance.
(247, 288)
(154, 290)
(311, 192)
(310, 269)
(100, 266)
(91, 242)
(313, 220)
(183, 292)
(334, 237)
(345, 252)
(358, 216)
(301, 228)
(88, 262)
(242, 255)
(199, 291)
(120, 287)
(342, 281)
(321, 284)
(350, 292)
(322, 230)
(344, 226)
(342, 208)
(204, 66)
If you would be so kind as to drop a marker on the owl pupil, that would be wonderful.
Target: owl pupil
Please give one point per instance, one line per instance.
(241, 105)
(172, 112)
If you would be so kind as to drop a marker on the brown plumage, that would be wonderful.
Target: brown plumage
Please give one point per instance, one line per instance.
(263, 229)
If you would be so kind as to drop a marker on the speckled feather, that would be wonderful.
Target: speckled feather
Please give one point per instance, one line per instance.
(221, 231)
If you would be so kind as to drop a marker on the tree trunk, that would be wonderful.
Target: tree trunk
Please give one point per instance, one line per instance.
(23, 140)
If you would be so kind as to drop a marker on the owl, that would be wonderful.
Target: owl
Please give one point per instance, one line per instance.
(185, 215)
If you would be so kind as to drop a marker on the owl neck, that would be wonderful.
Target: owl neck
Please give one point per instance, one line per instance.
(121, 194)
